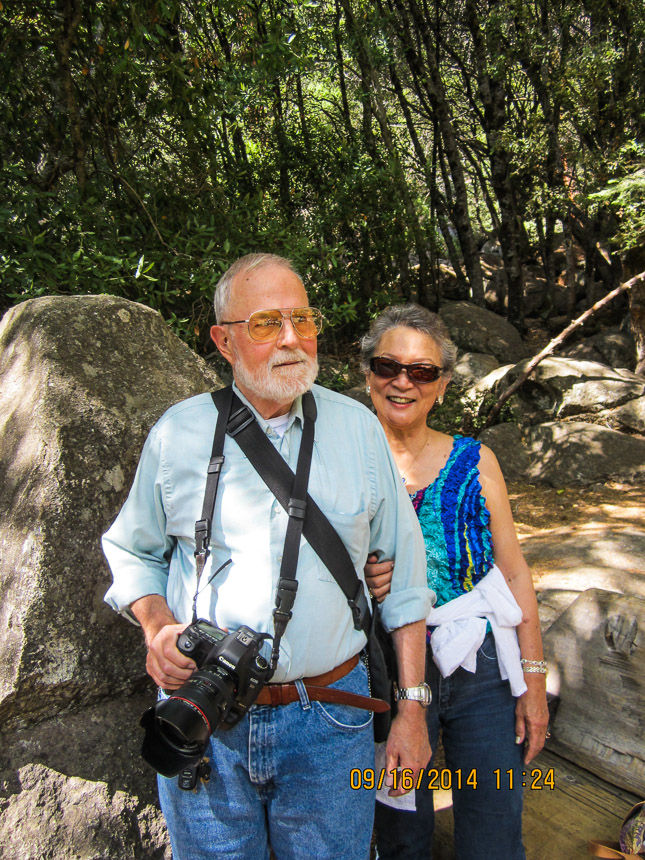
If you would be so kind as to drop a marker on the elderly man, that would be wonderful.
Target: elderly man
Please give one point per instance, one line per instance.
(281, 776)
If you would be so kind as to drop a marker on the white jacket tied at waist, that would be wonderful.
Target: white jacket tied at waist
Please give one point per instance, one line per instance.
(461, 627)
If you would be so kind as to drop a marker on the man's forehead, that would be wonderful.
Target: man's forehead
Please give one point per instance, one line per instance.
(267, 287)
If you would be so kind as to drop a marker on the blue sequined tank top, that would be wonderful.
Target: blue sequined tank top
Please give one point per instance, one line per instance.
(455, 524)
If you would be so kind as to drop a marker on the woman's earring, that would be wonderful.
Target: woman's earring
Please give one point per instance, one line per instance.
(440, 400)
(368, 389)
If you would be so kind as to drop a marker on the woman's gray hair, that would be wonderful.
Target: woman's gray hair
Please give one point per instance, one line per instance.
(414, 317)
(222, 295)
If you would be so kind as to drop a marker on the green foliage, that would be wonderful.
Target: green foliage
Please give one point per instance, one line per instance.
(625, 195)
(336, 376)
(145, 146)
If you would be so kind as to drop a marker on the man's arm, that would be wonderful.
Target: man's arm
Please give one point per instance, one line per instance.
(395, 534)
(165, 664)
(407, 743)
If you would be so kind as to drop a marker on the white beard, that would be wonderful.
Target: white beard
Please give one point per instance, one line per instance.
(279, 384)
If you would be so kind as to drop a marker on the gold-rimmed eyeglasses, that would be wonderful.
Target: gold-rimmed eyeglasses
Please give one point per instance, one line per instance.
(265, 326)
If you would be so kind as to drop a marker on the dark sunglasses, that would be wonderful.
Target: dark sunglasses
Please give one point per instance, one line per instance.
(389, 368)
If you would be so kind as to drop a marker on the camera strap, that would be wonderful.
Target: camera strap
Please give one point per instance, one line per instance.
(204, 525)
(235, 418)
(305, 517)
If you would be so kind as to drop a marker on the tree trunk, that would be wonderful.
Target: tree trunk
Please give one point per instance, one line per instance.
(72, 14)
(426, 71)
(341, 72)
(571, 267)
(637, 322)
(492, 94)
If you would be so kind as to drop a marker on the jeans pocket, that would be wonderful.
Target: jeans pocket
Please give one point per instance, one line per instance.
(488, 651)
(344, 717)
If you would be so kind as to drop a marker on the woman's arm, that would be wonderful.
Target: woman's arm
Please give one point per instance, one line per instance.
(531, 714)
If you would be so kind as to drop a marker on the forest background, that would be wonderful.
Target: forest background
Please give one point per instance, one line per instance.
(378, 143)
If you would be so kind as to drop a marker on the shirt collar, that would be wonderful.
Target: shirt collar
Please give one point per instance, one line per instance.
(294, 413)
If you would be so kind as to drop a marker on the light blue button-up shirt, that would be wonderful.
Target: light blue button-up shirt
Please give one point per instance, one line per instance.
(150, 547)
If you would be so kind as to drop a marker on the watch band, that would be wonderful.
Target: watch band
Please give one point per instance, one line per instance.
(420, 694)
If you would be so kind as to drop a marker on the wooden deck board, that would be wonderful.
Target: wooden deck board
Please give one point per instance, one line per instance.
(557, 823)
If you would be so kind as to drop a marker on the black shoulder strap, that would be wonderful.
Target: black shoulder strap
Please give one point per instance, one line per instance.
(203, 526)
(279, 478)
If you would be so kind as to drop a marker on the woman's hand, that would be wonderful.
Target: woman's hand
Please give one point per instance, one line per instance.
(532, 716)
(378, 575)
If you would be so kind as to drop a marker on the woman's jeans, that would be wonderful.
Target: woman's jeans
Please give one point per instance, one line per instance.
(476, 716)
(281, 777)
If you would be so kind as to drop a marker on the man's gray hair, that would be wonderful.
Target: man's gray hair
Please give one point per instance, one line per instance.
(222, 295)
(414, 317)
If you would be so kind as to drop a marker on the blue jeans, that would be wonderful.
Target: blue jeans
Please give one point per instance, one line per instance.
(280, 777)
(476, 716)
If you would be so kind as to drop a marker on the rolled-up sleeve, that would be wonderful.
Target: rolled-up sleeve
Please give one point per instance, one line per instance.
(396, 534)
(136, 545)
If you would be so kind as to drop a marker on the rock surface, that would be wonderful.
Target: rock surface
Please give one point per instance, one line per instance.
(613, 348)
(52, 815)
(595, 656)
(471, 367)
(562, 388)
(81, 381)
(566, 453)
(478, 330)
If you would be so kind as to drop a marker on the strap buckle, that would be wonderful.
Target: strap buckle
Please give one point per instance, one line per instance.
(240, 419)
(297, 508)
(215, 466)
(202, 529)
(359, 606)
(285, 597)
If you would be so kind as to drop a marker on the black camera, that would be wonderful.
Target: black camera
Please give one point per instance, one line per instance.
(230, 674)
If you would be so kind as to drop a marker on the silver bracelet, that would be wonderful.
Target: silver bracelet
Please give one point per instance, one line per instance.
(533, 662)
(540, 670)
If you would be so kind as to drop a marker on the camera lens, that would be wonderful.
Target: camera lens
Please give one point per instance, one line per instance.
(193, 711)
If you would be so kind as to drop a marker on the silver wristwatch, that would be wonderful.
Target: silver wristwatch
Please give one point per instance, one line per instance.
(420, 694)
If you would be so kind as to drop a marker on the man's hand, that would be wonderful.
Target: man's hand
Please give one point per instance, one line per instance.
(378, 575)
(165, 664)
(407, 749)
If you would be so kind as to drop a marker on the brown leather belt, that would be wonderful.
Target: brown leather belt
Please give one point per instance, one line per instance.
(318, 691)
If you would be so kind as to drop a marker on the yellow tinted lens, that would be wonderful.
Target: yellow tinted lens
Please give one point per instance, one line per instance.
(265, 325)
(306, 321)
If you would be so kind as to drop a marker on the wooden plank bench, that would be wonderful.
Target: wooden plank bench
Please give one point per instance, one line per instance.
(558, 822)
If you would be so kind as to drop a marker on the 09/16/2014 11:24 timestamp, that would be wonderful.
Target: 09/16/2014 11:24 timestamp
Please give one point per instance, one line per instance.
(445, 779)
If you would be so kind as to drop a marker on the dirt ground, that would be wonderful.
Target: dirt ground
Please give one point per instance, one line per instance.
(579, 538)
(538, 508)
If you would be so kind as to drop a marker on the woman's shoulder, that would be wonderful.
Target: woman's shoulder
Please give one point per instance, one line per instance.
(487, 459)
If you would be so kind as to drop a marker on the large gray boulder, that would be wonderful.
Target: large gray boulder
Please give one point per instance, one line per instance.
(81, 381)
(565, 454)
(49, 814)
(478, 330)
(471, 367)
(614, 348)
(563, 388)
(630, 417)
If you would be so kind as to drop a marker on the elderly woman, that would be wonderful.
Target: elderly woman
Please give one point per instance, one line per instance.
(488, 694)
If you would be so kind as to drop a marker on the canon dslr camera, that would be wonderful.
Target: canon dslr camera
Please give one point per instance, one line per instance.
(230, 674)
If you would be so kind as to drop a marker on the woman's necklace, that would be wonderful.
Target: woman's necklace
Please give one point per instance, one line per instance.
(413, 461)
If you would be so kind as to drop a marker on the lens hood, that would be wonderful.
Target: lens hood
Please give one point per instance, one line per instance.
(160, 753)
